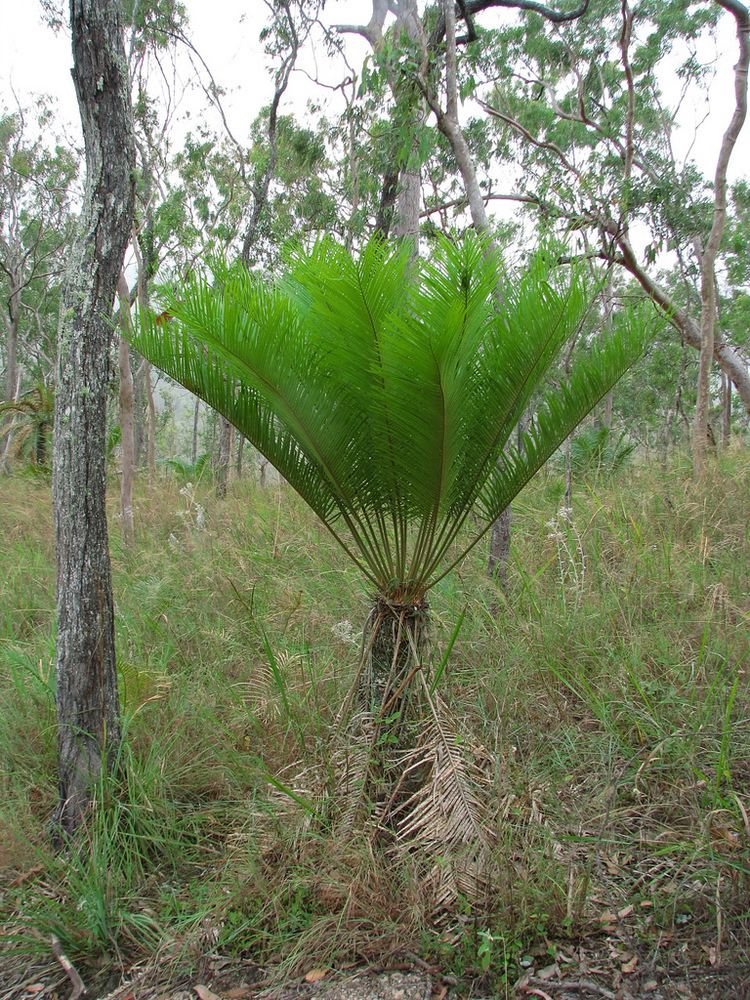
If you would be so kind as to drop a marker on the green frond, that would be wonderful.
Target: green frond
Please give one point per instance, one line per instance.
(385, 389)
(561, 411)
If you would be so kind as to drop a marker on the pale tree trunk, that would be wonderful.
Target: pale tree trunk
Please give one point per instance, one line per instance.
(497, 564)
(409, 199)
(151, 436)
(726, 410)
(196, 414)
(240, 450)
(140, 429)
(14, 315)
(224, 458)
(609, 305)
(146, 266)
(127, 437)
(87, 699)
(12, 374)
(711, 249)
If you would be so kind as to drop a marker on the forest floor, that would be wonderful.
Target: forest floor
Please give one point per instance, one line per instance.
(609, 682)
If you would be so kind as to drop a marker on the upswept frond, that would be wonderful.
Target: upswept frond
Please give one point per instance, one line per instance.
(384, 388)
(561, 411)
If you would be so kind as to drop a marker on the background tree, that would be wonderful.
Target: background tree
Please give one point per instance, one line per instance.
(580, 109)
(36, 187)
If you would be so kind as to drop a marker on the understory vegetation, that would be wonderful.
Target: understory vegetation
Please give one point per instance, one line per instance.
(607, 682)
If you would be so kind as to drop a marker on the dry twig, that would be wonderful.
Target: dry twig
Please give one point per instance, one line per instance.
(70, 970)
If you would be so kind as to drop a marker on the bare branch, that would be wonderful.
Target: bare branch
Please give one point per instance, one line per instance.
(539, 143)
(463, 202)
(469, 8)
(373, 30)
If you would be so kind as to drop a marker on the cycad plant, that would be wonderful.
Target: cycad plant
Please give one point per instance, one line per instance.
(385, 390)
(599, 452)
(34, 412)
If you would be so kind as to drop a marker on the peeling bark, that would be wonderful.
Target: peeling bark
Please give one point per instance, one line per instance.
(87, 699)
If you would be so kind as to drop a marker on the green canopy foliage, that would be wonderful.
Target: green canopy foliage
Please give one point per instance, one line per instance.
(386, 389)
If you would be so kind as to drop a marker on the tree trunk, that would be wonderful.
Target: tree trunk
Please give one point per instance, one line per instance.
(726, 410)
(127, 438)
(224, 457)
(408, 202)
(140, 409)
(708, 257)
(12, 377)
(497, 565)
(14, 315)
(151, 435)
(87, 700)
(194, 449)
(388, 193)
(240, 450)
(402, 183)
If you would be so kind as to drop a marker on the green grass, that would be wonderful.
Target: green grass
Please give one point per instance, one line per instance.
(609, 684)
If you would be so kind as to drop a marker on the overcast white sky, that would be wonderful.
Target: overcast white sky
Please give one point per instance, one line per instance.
(34, 60)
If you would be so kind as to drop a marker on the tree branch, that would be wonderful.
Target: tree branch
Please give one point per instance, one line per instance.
(469, 8)
(463, 202)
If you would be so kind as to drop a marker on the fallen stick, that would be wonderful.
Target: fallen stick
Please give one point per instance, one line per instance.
(70, 970)
(579, 984)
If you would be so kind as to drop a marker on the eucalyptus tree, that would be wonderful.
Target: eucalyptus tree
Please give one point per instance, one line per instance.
(36, 222)
(87, 698)
(582, 110)
(386, 389)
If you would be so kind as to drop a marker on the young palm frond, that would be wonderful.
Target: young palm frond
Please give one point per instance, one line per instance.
(385, 389)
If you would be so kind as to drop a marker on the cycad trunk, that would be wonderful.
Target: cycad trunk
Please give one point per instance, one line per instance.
(395, 640)
(386, 720)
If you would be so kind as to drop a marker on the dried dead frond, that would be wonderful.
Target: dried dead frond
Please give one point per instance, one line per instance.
(444, 817)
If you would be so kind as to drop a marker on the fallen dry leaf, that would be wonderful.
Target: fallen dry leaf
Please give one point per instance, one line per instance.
(35, 988)
(629, 967)
(548, 972)
(239, 993)
(625, 912)
(204, 993)
(315, 975)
